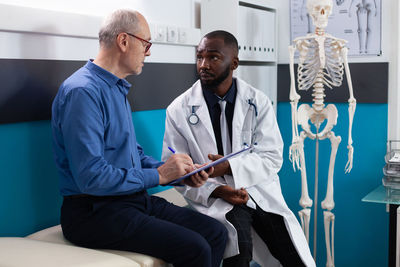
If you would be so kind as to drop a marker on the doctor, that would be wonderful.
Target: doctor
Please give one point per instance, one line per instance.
(244, 192)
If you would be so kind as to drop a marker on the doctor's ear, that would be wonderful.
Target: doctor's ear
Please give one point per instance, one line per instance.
(235, 63)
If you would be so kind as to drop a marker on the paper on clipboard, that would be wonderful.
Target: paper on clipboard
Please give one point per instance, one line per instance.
(211, 164)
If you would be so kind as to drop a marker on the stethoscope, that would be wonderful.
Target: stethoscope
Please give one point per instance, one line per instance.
(193, 119)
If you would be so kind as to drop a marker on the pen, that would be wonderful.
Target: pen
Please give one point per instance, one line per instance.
(173, 151)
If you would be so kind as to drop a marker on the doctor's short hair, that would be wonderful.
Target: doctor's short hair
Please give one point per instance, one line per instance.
(229, 38)
(121, 20)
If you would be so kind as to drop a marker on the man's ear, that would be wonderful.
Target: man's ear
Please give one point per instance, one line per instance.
(235, 63)
(122, 41)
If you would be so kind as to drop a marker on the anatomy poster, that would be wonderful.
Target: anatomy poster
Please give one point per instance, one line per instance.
(357, 21)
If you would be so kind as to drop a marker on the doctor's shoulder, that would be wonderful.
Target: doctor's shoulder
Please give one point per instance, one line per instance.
(179, 103)
(258, 96)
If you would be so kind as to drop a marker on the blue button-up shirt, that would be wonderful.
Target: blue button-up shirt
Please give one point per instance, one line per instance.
(94, 140)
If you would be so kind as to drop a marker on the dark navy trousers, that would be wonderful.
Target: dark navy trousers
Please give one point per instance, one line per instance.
(145, 224)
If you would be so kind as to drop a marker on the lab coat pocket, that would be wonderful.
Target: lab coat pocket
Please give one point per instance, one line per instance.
(246, 138)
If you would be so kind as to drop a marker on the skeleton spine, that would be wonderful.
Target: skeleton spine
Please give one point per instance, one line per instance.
(318, 92)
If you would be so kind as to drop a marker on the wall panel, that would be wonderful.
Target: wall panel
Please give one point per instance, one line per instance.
(29, 86)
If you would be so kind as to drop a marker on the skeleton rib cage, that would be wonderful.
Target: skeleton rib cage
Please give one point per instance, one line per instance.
(311, 66)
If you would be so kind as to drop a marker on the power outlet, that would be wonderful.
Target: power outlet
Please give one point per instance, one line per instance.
(161, 33)
(172, 34)
(183, 36)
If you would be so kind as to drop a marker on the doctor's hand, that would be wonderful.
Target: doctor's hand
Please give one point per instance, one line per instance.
(176, 166)
(231, 195)
(198, 179)
(222, 168)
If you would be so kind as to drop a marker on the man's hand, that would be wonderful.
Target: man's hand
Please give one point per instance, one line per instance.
(176, 166)
(230, 195)
(198, 179)
(222, 168)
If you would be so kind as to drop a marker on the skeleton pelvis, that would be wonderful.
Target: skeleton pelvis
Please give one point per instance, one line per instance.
(306, 113)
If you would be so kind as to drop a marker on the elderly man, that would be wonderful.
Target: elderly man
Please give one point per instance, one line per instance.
(103, 171)
(218, 115)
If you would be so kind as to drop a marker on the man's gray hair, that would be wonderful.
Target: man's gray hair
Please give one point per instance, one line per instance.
(121, 20)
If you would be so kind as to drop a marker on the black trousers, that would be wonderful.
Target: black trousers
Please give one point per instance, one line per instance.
(145, 224)
(272, 230)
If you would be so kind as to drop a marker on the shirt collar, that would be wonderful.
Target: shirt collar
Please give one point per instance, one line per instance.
(108, 77)
(213, 99)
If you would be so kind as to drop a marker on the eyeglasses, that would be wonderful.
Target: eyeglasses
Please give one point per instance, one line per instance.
(147, 44)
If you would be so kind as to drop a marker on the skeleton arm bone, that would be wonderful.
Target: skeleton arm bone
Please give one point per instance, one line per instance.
(294, 99)
(352, 108)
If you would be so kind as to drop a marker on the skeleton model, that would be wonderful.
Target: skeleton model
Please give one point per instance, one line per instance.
(304, 14)
(364, 12)
(322, 62)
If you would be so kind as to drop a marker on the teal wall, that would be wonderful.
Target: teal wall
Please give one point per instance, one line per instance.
(149, 129)
(29, 198)
(361, 229)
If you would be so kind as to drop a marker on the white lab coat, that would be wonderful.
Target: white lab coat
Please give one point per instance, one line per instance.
(256, 171)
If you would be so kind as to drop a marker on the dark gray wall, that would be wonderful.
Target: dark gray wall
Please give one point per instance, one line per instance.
(370, 84)
(28, 87)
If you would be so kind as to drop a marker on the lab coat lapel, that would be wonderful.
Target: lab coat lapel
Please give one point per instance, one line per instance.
(197, 100)
(239, 114)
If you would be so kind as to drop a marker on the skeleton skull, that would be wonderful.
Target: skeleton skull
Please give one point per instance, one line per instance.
(319, 11)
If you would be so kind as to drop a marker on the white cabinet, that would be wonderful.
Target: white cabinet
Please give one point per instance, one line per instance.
(256, 34)
(254, 24)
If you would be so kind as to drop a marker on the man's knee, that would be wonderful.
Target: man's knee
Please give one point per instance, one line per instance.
(198, 249)
(219, 231)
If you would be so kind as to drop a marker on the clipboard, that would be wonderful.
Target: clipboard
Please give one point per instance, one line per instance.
(211, 164)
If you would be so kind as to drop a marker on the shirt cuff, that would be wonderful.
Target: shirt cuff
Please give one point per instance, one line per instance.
(152, 178)
(208, 200)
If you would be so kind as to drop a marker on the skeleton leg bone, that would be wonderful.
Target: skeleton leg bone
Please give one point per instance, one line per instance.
(328, 202)
(329, 224)
(305, 215)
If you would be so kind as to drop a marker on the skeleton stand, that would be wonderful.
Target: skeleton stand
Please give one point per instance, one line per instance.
(316, 193)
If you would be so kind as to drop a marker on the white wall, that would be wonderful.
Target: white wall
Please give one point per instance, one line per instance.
(45, 29)
(175, 12)
(394, 72)
(390, 47)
